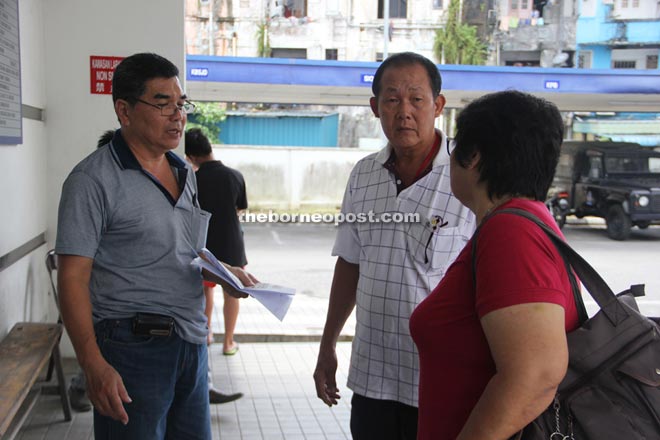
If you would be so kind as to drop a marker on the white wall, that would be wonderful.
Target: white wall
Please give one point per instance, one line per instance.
(637, 55)
(76, 118)
(292, 177)
(57, 39)
(23, 285)
(647, 9)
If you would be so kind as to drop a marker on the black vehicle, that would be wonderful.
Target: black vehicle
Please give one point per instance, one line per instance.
(619, 182)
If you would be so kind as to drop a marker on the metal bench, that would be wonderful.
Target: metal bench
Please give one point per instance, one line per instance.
(24, 353)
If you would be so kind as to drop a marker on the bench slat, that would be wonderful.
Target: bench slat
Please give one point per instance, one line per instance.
(23, 354)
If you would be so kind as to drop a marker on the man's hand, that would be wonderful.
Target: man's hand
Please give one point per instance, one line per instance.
(325, 376)
(106, 391)
(246, 278)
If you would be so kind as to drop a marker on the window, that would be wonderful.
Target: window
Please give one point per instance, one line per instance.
(280, 52)
(595, 167)
(295, 8)
(379, 56)
(624, 4)
(437, 4)
(539, 5)
(514, 4)
(397, 8)
(624, 64)
(651, 61)
(635, 3)
(654, 164)
(331, 54)
(524, 4)
(584, 59)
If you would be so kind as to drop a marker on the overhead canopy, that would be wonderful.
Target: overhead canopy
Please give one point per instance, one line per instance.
(295, 81)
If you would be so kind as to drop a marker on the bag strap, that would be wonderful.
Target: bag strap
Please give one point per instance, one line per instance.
(575, 288)
(594, 283)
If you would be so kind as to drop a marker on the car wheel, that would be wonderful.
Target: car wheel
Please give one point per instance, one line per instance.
(560, 218)
(643, 225)
(618, 223)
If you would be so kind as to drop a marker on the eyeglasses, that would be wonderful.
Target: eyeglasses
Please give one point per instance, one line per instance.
(170, 109)
(451, 144)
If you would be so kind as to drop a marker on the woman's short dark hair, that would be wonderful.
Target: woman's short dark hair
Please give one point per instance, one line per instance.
(406, 59)
(197, 144)
(518, 137)
(132, 73)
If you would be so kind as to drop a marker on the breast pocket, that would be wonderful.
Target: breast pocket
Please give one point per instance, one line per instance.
(432, 243)
(199, 227)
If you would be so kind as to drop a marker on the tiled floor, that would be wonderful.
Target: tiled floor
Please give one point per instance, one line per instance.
(280, 400)
(279, 403)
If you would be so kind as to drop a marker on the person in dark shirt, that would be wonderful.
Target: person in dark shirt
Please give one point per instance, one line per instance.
(222, 193)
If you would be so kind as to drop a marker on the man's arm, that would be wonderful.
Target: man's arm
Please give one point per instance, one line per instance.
(342, 303)
(208, 311)
(104, 385)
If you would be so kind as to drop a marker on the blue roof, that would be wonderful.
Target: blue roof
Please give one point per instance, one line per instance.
(455, 77)
(604, 84)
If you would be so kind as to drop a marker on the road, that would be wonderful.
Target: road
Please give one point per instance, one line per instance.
(298, 255)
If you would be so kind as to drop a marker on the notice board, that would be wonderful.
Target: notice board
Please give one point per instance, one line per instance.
(11, 121)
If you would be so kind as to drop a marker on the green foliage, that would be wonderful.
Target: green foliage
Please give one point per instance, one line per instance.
(207, 116)
(263, 40)
(458, 41)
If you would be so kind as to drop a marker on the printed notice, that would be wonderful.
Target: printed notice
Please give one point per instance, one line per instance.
(101, 71)
(11, 122)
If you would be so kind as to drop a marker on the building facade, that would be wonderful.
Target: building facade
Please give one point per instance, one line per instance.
(618, 34)
(347, 30)
(533, 33)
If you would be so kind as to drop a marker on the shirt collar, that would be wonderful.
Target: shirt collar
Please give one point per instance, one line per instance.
(127, 159)
(442, 158)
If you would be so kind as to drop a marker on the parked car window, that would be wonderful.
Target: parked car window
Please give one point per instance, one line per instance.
(654, 164)
(596, 169)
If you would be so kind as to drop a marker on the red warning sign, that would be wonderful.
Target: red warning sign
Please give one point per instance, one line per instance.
(101, 71)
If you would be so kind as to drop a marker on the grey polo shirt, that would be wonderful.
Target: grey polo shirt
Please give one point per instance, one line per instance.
(141, 240)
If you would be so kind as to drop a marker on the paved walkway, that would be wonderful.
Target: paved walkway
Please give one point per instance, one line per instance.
(273, 368)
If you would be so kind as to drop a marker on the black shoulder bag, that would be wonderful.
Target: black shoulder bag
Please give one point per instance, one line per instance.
(612, 387)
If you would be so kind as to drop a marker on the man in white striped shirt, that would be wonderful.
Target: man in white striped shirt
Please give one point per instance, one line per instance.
(385, 268)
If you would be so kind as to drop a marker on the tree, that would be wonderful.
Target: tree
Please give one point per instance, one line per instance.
(206, 117)
(263, 39)
(458, 43)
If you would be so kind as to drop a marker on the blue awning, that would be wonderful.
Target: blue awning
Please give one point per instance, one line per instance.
(275, 80)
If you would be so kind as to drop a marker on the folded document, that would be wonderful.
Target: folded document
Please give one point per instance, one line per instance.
(276, 299)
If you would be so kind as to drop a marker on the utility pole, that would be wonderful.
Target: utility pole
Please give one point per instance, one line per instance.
(210, 29)
(386, 26)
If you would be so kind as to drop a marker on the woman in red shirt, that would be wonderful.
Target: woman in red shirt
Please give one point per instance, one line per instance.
(492, 355)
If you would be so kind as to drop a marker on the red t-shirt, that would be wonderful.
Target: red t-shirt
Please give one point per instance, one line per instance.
(516, 264)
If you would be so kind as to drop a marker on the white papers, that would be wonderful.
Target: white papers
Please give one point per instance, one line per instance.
(276, 299)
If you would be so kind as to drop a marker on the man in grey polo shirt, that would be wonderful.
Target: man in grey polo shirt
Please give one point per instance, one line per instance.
(129, 226)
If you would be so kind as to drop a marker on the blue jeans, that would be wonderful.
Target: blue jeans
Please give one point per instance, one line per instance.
(166, 377)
